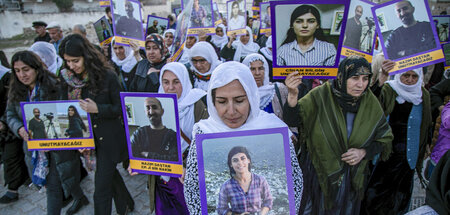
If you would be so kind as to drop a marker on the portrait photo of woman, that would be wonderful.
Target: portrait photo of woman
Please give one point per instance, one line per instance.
(305, 42)
(76, 125)
(245, 192)
(236, 20)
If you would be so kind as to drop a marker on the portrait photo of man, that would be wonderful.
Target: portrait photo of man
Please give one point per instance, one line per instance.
(36, 126)
(354, 29)
(154, 141)
(129, 24)
(105, 31)
(154, 28)
(413, 36)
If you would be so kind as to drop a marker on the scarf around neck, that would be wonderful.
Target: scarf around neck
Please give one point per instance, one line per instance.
(244, 50)
(75, 84)
(128, 63)
(409, 93)
(267, 90)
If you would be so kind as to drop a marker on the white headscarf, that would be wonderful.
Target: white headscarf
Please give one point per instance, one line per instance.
(409, 93)
(204, 50)
(257, 119)
(220, 42)
(267, 90)
(244, 50)
(186, 56)
(48, 55)
(128, 63)
(265, 51)
(187, 99)
(172, 31)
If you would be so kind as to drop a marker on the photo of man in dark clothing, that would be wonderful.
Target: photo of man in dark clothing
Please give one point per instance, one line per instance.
(127, 25)
(154, 141)
(36, 127)
(353, 29)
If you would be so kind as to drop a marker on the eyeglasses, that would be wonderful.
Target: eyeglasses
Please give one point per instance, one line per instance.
(217, 31)
(200, 61)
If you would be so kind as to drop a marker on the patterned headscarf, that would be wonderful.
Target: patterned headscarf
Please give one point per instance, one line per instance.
(159, 41)
(350, 66)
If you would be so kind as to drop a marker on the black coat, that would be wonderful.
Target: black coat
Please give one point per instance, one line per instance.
(107, 124)
(143, 82)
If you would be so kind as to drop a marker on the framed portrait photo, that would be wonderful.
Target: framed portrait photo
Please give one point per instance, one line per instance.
(236, 17)
(201, 17)
(442, 27)
(57, 125)
(411, 40)
(156, 24)
(127, 22)
(103, 31)
(154, 138)
(261, 155)
(265, 20)
(313, 52)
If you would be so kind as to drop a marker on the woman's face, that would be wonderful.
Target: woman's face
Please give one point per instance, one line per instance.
(240, 163)
(190, 41)
(201, 64)
(245, 38)
(168, 39)
(357, 84)
(153, 52)
(232, 104)
(305, 25)
(409, 78)
(25, 73)
(235, 9)
(257, 68)
(119, 51)
(71, 111)
(171, 83)
(219, 32)
(75, 64)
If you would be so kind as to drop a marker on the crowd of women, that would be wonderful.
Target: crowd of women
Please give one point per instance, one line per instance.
(356, 141)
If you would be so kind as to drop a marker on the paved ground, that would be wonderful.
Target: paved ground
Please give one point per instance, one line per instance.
(33, 202)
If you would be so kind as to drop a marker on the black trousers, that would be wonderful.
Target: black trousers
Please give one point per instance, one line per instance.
(109, 184)
(15, 169)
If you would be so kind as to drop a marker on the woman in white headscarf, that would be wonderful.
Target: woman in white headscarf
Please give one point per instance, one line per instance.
(168, 197)
(125, 60)
(267, 53)
(203, 60)
(407, 104)
(48, 55)
(188, 44)
(220, 39)
(236, 50)
(236, 81)
(168, 36)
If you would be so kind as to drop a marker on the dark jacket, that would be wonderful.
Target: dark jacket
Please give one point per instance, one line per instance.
(437, 94)
(6, 136)
(143, 82)
(107, 124)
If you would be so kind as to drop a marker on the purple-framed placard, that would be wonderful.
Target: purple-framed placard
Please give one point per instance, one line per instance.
(55, 119)
(101, 34)
(265, 22)
(325, 66)
(274, 142)
(161, 22)
(241, 18)
(196, 25)
(412, 61)
(133, 105)
(443, 23)
(217, 17)
(446, 50)
(128, 29)
(348, 50)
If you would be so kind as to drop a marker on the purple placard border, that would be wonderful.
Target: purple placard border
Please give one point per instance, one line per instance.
(114, 25)
(448, 36)
(442, 47)
(273, 5)
(25, 124)
(260, 17)
(127, 132)
(374, 39)
(380, 35)
(148, 18)
(201, 168)
(245, 17)
(103, 17)
(204, 27)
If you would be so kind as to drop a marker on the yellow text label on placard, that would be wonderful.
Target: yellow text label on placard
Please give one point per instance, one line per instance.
(128, 40)
(447, 67)
(107, 41)
(192, 31)
(218, 22)
(238, 32)
(60, 144)
(417, 60)
(265, 30)
(104, 3)
(326, 72)
(255, 8)
(177, 54)
(349, 52)
(156, 167)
